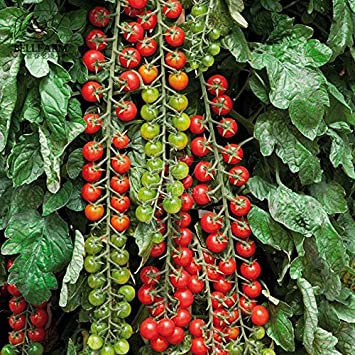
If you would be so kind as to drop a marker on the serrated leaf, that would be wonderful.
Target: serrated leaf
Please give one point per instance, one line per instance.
(53, 202)
(324, 343)
(77, 295)
(260, 188)
(143, 239)
(31, 109)
(135, 175)
(237, 44)
(346, 222)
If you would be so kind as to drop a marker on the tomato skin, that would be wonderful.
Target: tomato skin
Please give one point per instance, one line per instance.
(149, 275)
(120, 141)
(93, 60)
(200, 194)
(17, 322)
(250, 271)
(90, 91)
(178, 81)
(227, 127)
(232, 154)
(159, 344)
(187, 202)
(175, 36)
(96, 39)
(120, 184)
(120, 223)
(180, 278)
(259, 315)
(148, 20)
(240, 228)
(217, 299)
(185, 297)
(197, 125)
(93, 123)
(165, 327)
(145, 295)
(36, 334)
(216, 242)
(137, 4)
(40, 318)
(176, 59)
(16, 338)
(17, 305)
(129, 57)
(196, 284)
(93, 151)
(13, 290)
(195, 327)
(147, 47)
(133, 32)
(245, 249)
(177, 337)
(182, 317)
(252, 289)
(198, 346)
(222, 285)
(121, 164)
(183, 256)
(185, 237)
(148, 73)
(222, 105)
(188, 181)
(227, 267)
(211, 223)
(94, 212)
(99, 16)
(172, 9)
(203, 171)
(239, 175)
(200, 146)
(158, 249)
(217, 85)
(149, 329)
(129, 80)
(240, 206)
(126, 111)
(184, 221)
(120, 204)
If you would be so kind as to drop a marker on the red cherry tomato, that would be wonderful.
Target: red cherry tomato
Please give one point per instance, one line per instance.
(200, 194)
(148, 20)
(93, 60)
(16, 338)
(120, 141)
(196, 327)
(40, 318)
(133, 32)
(172, 9)
(91, 193)
(17, 322)
(217, 84)
(149, 329)
(121, 164)
(227, 267)
(187, 182)
(182, 317)
(175, 36)
(120, 203)
(137, 4)
(211, 223)
(145, 295)
(129, 80)
(159, 344)
(96, 39)
(94, 212)
(176, 59)
(13, 290)
(216, 242)
(177, 337)
(198, 346)
(204, 172)
(93, 151)
(91, 173)
(196, 284)
(185, 236)
(259, 315)
(245, 249)
(165, 327)
(239, 175)
(240, 228)
(232, 153)
(222, 105)
(180, 278)
(185, 297)
(187, 202)
(93, 123)
(240, 206)
(129, 57)
(250, 271)
(126, 110)
(183, 256)
(158, 250)
(120, 223)
(99, 16)
(91, 91)
(120, 184)
(197, 124)
(252, 289)
(147, 47)
(17, 305)
(200, 146)
(36, 334)
(227, 127)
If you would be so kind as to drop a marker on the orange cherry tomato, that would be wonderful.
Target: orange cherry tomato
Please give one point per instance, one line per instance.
(148, 73)
(179, 80)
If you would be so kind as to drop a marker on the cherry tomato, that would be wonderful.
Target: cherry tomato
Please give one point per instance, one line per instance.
(172, 204)
(147, 47)
(179, 102)
(200, 194)
(93, 60)
(197, 125)
(222, 285)
(259, 315)
(182, 317)
(95, 342)
(180, 170)
(232, 153)
(187, 202)
(17, 305)
(145, 294)
(133, 32)
(159, 344)
(172, 9)
(120, 184)
(183, 256)
(40, 318)
(17, 322)
(148, 73)
(16, 338)
(137, 4)
(245, 249)
(120, 141)
(149, 329)
(158, 249)
(203, 171)
(144, 213)
(178, 81)
(198, 346)
(129, 80)
(126, 110)
(99, 16)
(94, 212)
(227, 267)
(176, 59)
(149, 275)
(93, 123)
(13, 290)
(217, 299)
(120, 223)
(241, 228)
(240, 206)
(180, 278)
(188, 181)
(193, 268)
(129, 57)
(185, 236)
(217, 85)
(148, 20)
(227, 127)
(91, 91)
(36, 334)
(239, 175)
(93, 151)
(196, 284)
(165, 327)
(222, 105)
(175, 36)
(120, 204)
(216, 242)
(96, 39)
(150, 95)
(213, 273)
(157, 310)
(252, 289)
(200, 146)
(199, 10)
(185, 297)
(196, 327)
(211, 223)
(181, 122)
(121, 164)
(177, 337)
(250, 271)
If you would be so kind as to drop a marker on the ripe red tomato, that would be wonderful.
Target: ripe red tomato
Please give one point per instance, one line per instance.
(211, 222)
(157, 310)
(250, 271)
(213, 273)
(121, 164)
(94, 212)
(158, 249)
(133, 32)
(197, 124)
(159, 344)
(172, 9)
(129, 80)
(187, 182)
(232, 153)
(200, 146)
(184, 238)
(13, 290)
(126, 110)
(200, 194)
(216, 242)
(96, 39)
(217, 84)
(198, 346)
(203, 171)
(252, 289)
(39, 318)
(222, 105)
(120, 141)
(217, 299)
(183, 256)
(232, 333)
(165, 327)
(147, 47)
(177, 337)
(17, 322)
(148, 73)
(145, 295)
(120, 184)
(239, 175)
(227, 127)
(176, 59)
(93, 151)
(245, 249)
(91, 91)
(219, 317)
(16, 338)
(183, 222)
(148, 20)
(129, 57)
(259, 315)
(178, 80)
(137, 4)
(99, 16)
(187, 202)
(120, 223)
(193, 268)
(120, 203)
(241, 228)
(175, 36)
(149, 329)
(222, 285)
(90, 193)
(131, 12)
(182, 317)
(93, 123)
(149, 275)
(240, 206)
(17, 305)
(180, 278)
(196, 284)
(196, 327)
(228, 266)
(36, 334)
(185, 297)
(93, 60)
(91, 173)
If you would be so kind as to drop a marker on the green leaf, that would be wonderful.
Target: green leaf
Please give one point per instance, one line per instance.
(9, 67)
(274, 132)
(280, 328)
(45, 248)
(237, 44)
(25, 162)
(31, 110)
(331, 196)
(259, 87)
(76, 203)
(346, 335)
(310, 313)
(260, 188)
(135, 175)
(11, 20)
(53, 202)
(77, 295)
(346, 312)
(346, 222)
(75, 163)
(341, 30)
(37, 62)
(143, 238)
(73, 269)
(235, 8)
(268, 231)
(3, 272)
(324, 343)
(71, 349)
(271, 5)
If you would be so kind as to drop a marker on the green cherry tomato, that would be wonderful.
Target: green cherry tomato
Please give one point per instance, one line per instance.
(178, 140)
(197, 26)
(91, 264)
(172, 204)
(180, 170)
(8, 350)
(179, 102)
(144, 213)
(121, 276)
(35, 349)
(214, 49)
(150, 179)
(181, 122)
(96, 280)
(153, 149)
(95, 342)
(268, 351)
(97, 297)
(203, 68)
(208, 60)
(176, 188)
(123, 309)
(194, 65)
(150, 95)
(102, 312)
(235, 349)
(121, 347)
(98, 328)
(125, 331)
(107, 350)
(149, 113)
(120, 257)
(199, 10)
(146, 194)
(155, 164)
(93, 245)
(128, 292)
(214, 34)
(118, 240)
(149, 130)
(259, 333)
(157, 237)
